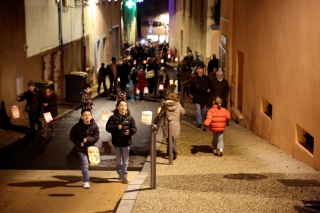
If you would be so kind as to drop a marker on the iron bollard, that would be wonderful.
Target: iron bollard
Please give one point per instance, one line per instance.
(181, 95)
(170, 141)
(153, 128)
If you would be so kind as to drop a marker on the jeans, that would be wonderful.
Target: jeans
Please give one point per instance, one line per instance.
(84, 166)
(122, 158)
(34, 118)
(217, 141)
(200, 113)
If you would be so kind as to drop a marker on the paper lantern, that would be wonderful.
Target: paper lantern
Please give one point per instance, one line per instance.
(162, 61)
(118, 79)
(47, 116)
(94, 155)
(137, 92)
(144, 61)
(134, 62)
(160, 86)
(159, 109)
(146, 90)
(176, 59)
(171, 82)
(104, 116)
(15, 112)
(146, 117)
(176, 82)
(169, 56)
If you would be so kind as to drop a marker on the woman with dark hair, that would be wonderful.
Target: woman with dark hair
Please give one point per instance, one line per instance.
(122, 126)
(83, 134)
(50, 104)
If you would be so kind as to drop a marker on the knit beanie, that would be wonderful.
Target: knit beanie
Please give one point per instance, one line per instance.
(31, 83)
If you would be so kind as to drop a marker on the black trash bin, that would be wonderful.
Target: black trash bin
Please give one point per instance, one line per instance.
(74, 85)
(42, 85)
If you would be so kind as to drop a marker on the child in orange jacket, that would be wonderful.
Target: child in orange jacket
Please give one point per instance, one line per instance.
(216, 119)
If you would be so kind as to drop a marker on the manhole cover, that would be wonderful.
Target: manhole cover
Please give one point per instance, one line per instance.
(246, 176)
(299, 182)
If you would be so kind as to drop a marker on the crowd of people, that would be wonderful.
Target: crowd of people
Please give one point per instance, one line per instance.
(210, 90)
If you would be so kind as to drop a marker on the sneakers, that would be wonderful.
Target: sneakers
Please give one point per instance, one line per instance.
(215, 152)
(86, 185)
(124, 180)
(120, 178)
(198, 125)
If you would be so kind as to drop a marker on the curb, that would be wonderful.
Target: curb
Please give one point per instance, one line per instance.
(130, 195)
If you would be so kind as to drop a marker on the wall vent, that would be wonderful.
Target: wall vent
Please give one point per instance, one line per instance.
(266, 108)
(305, 139)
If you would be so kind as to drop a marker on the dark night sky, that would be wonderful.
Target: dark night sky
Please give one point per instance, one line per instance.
(153, 7)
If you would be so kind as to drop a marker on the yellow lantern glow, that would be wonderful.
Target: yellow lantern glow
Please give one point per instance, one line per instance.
(15, 112)
(47, 116)
(146, 90)
(176, 82)
(169, 56)
(159, 109)
(144, 61)
(137, 92)
(118, 79)
(171, 82)
(146, 117)
(94, 155)
(104, 116)
(162, 61)
(176, 59)
(160, 86)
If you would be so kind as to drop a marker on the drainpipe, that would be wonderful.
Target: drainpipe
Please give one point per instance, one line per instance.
(60, 24)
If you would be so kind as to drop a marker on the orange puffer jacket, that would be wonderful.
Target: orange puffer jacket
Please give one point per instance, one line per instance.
(217, 118)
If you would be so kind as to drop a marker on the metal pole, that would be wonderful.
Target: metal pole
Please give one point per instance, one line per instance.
(170, 141)
(153, 128)
(182, 95)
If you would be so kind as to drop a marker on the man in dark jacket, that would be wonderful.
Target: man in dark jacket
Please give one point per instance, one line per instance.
(112, 71)
(220, 87)
(33, 106)
(124, 71)
(213, 64)
(200, 87)
(102, 78)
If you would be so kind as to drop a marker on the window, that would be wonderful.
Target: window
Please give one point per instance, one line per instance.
(266, 108)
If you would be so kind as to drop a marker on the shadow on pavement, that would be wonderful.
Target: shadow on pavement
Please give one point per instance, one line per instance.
(202, 148)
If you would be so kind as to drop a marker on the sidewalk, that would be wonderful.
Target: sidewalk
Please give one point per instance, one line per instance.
(252, 176)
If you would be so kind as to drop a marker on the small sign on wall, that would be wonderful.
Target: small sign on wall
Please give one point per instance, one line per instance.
(223, 39)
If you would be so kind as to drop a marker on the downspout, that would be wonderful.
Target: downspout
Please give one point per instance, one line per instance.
(60, 25)
(83, 41)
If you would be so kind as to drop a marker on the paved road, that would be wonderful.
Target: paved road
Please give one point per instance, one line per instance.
(59, 154)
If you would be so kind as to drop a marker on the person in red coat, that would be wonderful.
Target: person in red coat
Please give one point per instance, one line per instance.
(216, 119)
(142, 83)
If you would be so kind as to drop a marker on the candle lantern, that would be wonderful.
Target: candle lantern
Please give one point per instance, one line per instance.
(15, 112)
(160, 86)
(144, 61)
(159, 109)
(169, 56)
(118, 79)
(134, 62)
(47, 116)
(162, 61)
(94, 155)
(146, 117)
(146, 90)
(176, 82)
(171, 82)
(137, 92)
(176, 59)
(104, 116)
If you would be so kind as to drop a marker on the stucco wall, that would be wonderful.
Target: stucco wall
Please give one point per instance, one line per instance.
(279, 41)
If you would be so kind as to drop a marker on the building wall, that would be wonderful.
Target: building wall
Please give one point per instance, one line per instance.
(30, 39)
(275, 43)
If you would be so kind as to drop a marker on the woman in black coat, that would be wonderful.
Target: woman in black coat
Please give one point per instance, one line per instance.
(122, 126)
(83, 134)
(50, 104)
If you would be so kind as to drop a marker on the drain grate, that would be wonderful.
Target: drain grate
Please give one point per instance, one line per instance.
(246, 176)
(299, 182)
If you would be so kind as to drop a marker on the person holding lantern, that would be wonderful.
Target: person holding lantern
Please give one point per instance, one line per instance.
(122, 127)
(50, 104)
(163, 81)
(172, 108)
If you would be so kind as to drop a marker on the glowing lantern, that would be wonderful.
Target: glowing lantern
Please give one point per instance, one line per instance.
(171, 82)
(104, 116)
(146, 90)
(160, 86)
(15, 112)
(176, 59)
(134, 62)
(146, 117)
(94, 155)
(162, 61)
(144, 61)
(176, 82)
(137, 92)
(169, 56)
(159, 109)
(47, 116)
(118, 79)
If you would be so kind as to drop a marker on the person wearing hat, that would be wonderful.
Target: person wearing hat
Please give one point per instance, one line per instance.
(102, 78)
(112, 70)
(33, 106)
